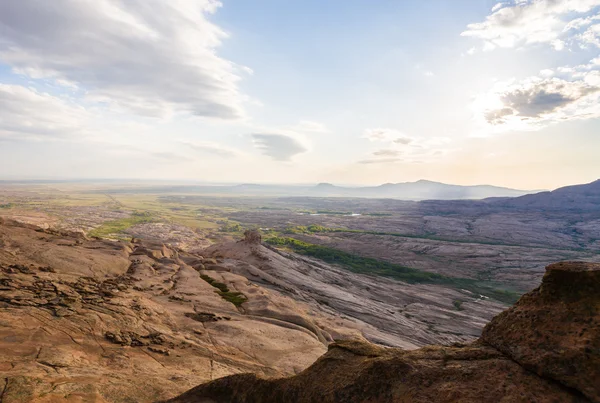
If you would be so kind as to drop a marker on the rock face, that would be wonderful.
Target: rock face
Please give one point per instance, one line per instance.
(544, 349)
(87, 320)
(252, 236)
(555, 329)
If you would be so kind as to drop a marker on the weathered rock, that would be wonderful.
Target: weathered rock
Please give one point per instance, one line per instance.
(252, 236)
(105, 325)
(45, 357)
(362, 372)
(555, 329)
(544, 349)
(160, 350)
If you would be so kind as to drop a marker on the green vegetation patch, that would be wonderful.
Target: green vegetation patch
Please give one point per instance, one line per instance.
(229, 226)
(318, 228)
(301, 229)
(118, 226)
(7, 205)
(367, 265)
(458, 304)
(236, 298)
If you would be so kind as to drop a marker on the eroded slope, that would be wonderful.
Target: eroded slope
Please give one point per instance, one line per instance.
(91, 320)
(534, 351)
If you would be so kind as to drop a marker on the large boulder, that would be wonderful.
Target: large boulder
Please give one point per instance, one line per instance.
(252, 236)
(555, 329)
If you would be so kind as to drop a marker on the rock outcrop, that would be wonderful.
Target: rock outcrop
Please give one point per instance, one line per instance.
(554, 330)
(544, 349)
(252, 236)
(88, 320)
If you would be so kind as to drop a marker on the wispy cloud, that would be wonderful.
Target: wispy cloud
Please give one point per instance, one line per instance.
(387, 153)
(403, 140)
(280, 147)
(170, 157)
(212, 148)
(26, 114)
(149, 58)
(557, 23)
(390, 160)
(382, 134)
(403, 148)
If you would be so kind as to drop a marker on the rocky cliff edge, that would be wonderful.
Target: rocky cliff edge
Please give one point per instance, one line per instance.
(546, 348)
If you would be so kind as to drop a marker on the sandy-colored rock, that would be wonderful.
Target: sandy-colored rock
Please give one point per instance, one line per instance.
(544, 349)
(103, 321)
(360, 372)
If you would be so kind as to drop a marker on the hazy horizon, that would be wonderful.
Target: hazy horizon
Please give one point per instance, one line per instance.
(351, 93)
(199, 182)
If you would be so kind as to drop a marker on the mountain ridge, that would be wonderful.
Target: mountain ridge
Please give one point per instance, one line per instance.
(417, 190)
(573, 197)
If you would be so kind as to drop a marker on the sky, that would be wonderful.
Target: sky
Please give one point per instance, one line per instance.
(302, 91)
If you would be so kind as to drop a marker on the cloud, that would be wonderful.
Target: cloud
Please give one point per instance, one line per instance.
(386, 135)
(404, 149)
(591, 35)
(278, 146)
(153, 58)
(381, 161)
(403, 140)
(29, 114)
(539, 101)
(387, 153)
(170, 157)
(208, 147)
(553, 22)
(382, 134)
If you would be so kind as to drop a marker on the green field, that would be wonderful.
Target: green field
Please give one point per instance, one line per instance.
(112, 228)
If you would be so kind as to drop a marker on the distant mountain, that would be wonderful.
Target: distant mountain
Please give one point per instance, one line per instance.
(578, 197)
(419, 190)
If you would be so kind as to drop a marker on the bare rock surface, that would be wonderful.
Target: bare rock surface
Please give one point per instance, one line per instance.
(544, 349)
(385, 311)
(252, 236)
(87, 320)
(555, 329)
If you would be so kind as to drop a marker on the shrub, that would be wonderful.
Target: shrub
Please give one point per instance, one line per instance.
(236, 298)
